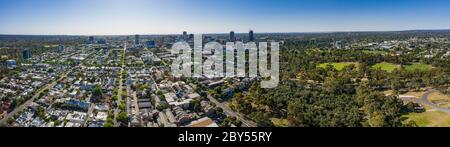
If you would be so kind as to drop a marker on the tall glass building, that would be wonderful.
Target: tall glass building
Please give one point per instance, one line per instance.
(26, 54)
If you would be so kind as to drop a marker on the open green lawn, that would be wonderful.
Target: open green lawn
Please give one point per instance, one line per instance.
(280, 122)
(429, 119)
(53, 45)
(389, 67)
(339, 65)
(418, 66)
(374, 52)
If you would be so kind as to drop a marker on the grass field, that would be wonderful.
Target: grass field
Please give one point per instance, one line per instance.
(389, 67)
(418, 66)
(440, 99)
(280, 122)
(388, 92)
(429, 119)
(415, 94)
(374, 52)
(339, 65)
(47, 46)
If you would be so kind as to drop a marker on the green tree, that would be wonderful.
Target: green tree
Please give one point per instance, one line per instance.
(97, 91)
(122, 117)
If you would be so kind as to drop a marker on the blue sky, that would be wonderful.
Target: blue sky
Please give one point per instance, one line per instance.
(120, 17)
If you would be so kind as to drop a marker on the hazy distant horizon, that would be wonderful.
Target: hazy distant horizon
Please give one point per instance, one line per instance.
(225, 33)
(126, 17)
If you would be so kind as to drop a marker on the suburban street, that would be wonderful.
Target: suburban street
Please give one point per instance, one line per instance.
(27, 103)
(136, 107)
(89, 112)
(119, 95)
(229, 112)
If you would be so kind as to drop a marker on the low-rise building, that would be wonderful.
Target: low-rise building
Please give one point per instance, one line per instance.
(203, 122)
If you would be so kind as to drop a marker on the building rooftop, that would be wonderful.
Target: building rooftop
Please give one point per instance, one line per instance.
(203, 122)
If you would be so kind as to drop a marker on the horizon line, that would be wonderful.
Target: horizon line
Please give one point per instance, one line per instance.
(221, 33)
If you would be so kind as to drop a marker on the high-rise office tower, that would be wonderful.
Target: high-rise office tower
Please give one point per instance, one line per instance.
(136, 39)
(250, 36)
(151, 44)
(101, 41)
(91, 39)
(26, 54)
(60, 48)
(232, 37)
(184, 35)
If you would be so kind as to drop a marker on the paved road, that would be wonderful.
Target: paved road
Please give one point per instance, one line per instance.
(89, 112)
(27, 103)
(119, 95)
(424, 100)
(228, 111)
(119, 100)
(136, 108)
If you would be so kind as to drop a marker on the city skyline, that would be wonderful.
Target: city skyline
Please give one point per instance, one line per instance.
(119, 17)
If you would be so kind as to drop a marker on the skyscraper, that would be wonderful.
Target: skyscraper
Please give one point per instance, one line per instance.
(136, 39)
(250, 36)
(91, 39)
(232, 37)
(101, 41)
(151, 44)
(26, 54)
(184, 35)
(60, 48)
